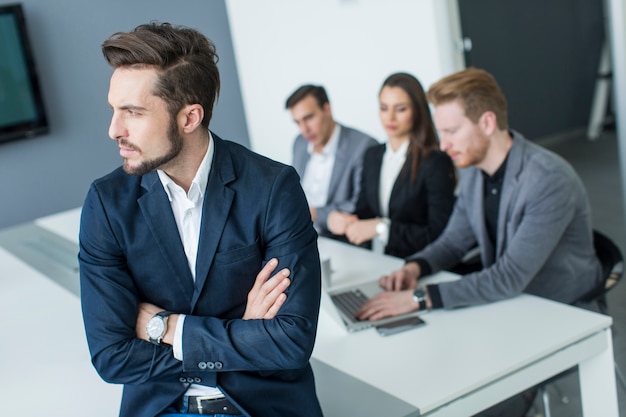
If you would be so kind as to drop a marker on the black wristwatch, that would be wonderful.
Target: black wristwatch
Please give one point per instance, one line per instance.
(419, 296)
(157, 327)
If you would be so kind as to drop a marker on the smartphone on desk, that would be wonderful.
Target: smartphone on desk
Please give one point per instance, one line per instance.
(400, 325)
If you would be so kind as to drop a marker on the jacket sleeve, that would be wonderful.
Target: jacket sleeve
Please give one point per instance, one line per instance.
(533, 230)
(352, 187)
(457, 237)
(109, 300)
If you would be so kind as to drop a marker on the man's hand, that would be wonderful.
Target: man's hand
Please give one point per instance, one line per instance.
(402, 279)
(268, 294)
(387, 304)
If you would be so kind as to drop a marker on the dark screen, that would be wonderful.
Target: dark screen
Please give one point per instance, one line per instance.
(21, 107)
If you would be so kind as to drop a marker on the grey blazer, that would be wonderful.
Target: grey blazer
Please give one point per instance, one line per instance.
(544, 240)
(345, 180)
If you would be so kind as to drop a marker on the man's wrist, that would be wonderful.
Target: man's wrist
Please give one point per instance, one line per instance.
(157, 326)
(168, 337)
(412, 269)
(382, 227)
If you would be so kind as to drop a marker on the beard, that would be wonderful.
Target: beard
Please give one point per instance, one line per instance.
(474, 154)
(146, 166)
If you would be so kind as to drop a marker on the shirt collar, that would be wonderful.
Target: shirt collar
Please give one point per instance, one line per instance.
(199, 183)
(331, 145)
(499, 174)
(400, 152)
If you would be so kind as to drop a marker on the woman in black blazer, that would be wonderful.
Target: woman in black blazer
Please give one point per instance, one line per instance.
(407, 184)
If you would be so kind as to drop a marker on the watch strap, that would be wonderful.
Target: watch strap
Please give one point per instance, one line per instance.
(382, 228)
(165, 314)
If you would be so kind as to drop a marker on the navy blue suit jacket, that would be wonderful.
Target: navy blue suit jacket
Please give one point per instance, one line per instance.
(130, 252)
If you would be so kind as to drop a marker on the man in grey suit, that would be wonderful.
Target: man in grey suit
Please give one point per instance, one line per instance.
(327, 156)
(524, 206)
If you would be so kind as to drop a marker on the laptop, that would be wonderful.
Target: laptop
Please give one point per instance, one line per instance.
(345, 301)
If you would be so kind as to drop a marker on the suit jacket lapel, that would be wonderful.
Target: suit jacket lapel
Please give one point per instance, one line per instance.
(373, 190)
(301, 156)
(218, 199)
(157, 212)
(401, 186)
(339, 167)
(509, 188)
(478, 208)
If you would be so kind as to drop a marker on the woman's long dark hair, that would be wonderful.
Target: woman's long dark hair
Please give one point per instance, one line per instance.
(423, 137)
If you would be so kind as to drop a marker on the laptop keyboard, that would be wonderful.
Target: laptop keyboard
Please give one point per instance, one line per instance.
(350, 301)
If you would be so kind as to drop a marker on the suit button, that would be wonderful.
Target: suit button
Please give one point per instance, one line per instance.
(218, 365)
(202, 365)
(190, 380)
(210, 365)
(197, 380)
(182, 379)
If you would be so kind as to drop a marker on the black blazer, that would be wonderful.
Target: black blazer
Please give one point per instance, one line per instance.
(418, 211)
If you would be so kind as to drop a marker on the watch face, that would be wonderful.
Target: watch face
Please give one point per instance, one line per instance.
(155, 327)
(381, 228)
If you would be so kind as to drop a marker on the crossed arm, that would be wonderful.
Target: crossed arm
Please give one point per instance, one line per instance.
(114, 285)
(264, 300)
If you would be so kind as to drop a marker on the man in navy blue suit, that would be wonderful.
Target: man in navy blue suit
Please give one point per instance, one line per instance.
(171, 245)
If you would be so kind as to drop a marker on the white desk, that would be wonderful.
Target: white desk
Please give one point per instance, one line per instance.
(461, 362)
(466, 360)
(65, 224)
(45, 367)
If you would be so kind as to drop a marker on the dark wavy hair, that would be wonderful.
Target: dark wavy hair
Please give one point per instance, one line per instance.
(316, 91)
(423, 137)
(186, 62)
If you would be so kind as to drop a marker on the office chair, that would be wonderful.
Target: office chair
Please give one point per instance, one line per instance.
(612, 263)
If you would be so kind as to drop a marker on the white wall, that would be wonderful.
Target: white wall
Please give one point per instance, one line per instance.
(349, 46)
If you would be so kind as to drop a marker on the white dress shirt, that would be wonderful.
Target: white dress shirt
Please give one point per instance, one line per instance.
(187, 209)
(392, 164)
(316, 179)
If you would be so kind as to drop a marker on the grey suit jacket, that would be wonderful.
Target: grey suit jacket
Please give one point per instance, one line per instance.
(345, 180)
(544, 240)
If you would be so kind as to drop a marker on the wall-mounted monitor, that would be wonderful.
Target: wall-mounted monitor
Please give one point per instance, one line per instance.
(22, 112)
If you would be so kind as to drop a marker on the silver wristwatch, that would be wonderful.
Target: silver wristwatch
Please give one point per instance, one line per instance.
(157, 327)
(419, 296)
